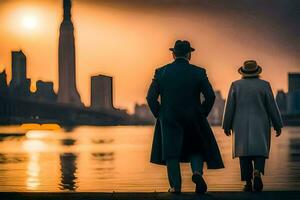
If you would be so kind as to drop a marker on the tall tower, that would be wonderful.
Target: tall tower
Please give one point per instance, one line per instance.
(67, 92)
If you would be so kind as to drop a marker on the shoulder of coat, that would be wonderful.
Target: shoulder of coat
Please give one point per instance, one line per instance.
(159, 69)
(198, 68)
(265, 82)
(258, 81)
(236, 82)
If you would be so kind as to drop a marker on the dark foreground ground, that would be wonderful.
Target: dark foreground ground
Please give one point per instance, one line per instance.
(153, 196)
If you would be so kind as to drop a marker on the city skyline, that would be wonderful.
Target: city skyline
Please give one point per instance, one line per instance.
(20, 105)
(123, 58)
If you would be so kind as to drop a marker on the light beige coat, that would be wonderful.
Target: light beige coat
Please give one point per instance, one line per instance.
(250, 109)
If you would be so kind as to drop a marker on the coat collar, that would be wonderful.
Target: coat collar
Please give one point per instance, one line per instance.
(181, 60)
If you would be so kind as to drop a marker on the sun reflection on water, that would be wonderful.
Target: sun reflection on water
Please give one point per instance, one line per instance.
(39, 134)
(33, 146)
(33, 172)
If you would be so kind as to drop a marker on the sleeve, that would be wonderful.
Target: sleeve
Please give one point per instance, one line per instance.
(272, 109)
(208, 93)
(152, 96)
(229, 111)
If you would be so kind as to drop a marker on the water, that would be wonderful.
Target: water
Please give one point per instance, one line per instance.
(105, 159)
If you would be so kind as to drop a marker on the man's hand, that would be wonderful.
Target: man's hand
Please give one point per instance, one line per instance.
(227, 132)
(278, 132)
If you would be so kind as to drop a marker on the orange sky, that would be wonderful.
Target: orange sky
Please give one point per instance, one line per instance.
(129, 44)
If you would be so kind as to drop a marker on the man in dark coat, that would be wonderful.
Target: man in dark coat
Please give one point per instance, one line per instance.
(182, 132)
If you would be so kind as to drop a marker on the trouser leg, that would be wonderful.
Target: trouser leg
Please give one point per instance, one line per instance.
(174, 174)
(246, 168)
(259, 164)
(197, 164)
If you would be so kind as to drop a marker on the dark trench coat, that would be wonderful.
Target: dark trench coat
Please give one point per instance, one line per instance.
(181, 128)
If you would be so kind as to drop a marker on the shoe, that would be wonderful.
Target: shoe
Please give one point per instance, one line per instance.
(174, 191)
(201, 186)
(258, 184)
(248, 187)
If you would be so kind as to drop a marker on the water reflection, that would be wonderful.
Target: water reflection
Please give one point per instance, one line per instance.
(11, 136)
(104, 156)
(6, 159)
(102, 141)
(116, 158)
(105, 161)
(294, 160)
(68, 167)
(68, 171)
(295, 150)
(33, 172)
(68, 128)
(39, 134)
(34, 146)
(68, 142)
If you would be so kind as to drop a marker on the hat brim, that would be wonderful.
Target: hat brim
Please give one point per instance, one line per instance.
(250, 74)
(191, 49)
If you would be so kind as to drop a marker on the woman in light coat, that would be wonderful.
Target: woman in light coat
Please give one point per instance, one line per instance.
(250, 109)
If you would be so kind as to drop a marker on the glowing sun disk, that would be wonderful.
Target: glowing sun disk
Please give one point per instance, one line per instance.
(29, 22)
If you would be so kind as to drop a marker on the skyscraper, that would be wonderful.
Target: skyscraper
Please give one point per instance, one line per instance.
(18, 60)
(293, 101)
(67, 92)
(19, 85)
(101, 92)
(3, 83)
(294, 82)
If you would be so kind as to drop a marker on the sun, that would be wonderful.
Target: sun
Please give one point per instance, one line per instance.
(29, 22)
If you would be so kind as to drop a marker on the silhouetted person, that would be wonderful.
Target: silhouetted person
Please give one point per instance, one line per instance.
(249, 110)
(182, 133)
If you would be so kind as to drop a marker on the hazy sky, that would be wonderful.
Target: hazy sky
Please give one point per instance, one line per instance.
(129, 39)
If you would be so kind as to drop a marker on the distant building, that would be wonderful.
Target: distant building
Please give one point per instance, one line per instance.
(101, 92)
(3, 83)
(19, 85)
(142, 111)
(293, 100)
(216, 114)
(294, 82)
(44, 92)
(281, 99)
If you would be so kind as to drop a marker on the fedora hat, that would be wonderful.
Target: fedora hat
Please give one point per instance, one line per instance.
(182, 46)
(250, 69)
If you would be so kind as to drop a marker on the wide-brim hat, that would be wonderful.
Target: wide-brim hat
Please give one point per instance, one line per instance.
(250, 69)
(182, 46)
